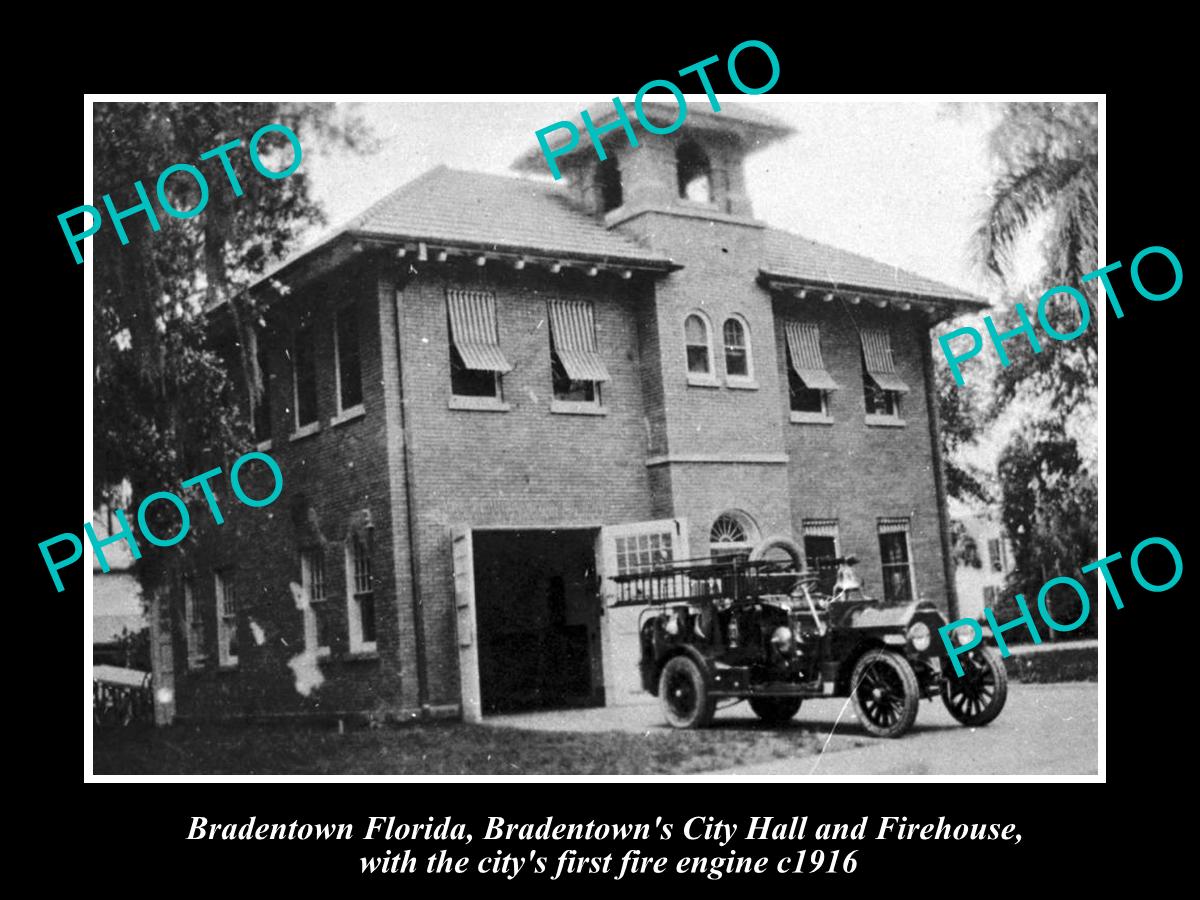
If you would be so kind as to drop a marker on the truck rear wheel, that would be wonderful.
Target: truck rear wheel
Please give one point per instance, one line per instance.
(684, 693)
(885, 692)
(775, 710)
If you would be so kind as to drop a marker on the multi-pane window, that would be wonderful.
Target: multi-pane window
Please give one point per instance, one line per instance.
(820, 549)
(349, 364)
(696, 340)
(737, 349)
(476, 361)
(897, 560)
(227, 612)
(882, 386)
(194, 624)
(360, 593)
(808, 380)
(642, 552)
(304, 372)
(728, 538)
(316, 610)
(576, 368)
(262, 409)
(996, 554)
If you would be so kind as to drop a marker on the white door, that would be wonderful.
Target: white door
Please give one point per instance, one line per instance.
(463, 554)
(621, 549)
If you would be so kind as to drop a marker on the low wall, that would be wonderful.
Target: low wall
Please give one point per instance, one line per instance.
(1044, 663)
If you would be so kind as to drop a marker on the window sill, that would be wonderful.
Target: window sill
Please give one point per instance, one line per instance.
(263, 446)
(479, 404)
(879, 421)
(197, 663)
(348, 415)
(363, 654)
(737, 383)
(574, 408)
(703, 381)
(305, 430)
(227, 668)
(323, 652)
(809, 418)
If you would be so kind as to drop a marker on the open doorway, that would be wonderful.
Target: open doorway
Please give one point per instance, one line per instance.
(537, 616)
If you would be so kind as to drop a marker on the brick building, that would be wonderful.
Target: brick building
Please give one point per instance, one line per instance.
(487, 393)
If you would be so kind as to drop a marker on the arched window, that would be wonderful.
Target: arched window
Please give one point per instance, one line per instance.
(608, 184)
(695, 173)
(732, 534)
(699, 350)
(737, 350)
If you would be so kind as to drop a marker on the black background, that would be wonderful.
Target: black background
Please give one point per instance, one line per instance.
(135, 832)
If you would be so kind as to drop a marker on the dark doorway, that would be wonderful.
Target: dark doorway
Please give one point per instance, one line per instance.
(538, 620)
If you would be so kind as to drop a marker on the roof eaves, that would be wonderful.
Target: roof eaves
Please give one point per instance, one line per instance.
(951, 295)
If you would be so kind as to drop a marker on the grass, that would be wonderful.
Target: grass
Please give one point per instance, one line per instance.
(435, 749)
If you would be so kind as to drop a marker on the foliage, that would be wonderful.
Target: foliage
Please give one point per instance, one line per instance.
(1048, 159)
(165, 401)
(964, 547)
(961, 421)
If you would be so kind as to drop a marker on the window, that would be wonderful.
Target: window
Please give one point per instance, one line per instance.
(897, 565)
(608, 184)
(194, 624)
(730, 536)
(996, 554)
(575, 364)
(304, 372)
(808, 381)
(737, 351)
(262, 409)
(346, 356)
(694, 173)
(476, 361)
(316, 610)
(227, 610)
(882, 387)
(361, 593)
(642, 552)
(990, 594)
(820, 549)
(699, 350)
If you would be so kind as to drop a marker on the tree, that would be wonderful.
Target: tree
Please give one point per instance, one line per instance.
(1048, 158)
(165, 401)
(1046, 188)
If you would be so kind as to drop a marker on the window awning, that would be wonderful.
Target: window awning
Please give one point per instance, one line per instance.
(804, 344)
(820, 528)
(877, 351)
(574, 333)
(473, 330)
(893, 525)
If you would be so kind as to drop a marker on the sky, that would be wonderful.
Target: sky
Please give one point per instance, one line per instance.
(902, 183)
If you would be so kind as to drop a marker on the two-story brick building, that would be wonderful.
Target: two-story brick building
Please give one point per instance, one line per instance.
(487, 394)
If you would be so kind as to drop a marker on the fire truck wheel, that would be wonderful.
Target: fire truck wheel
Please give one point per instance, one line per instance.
(885, 692)
(978, 696)
(684, 694)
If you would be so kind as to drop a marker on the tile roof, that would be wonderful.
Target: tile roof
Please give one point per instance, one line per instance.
(790, 256)
(500, 212)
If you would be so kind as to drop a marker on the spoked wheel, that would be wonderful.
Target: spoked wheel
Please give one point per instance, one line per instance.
(885, 692)
(684, 694)
(978, 695)
(775, 710)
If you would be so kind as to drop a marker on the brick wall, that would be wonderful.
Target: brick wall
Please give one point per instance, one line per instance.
(527, 466)
(329, 477)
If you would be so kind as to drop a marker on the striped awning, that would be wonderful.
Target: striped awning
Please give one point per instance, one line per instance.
(893, 525)
(473, 330)
(574, 334)
(804, 345)
(877, 351)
